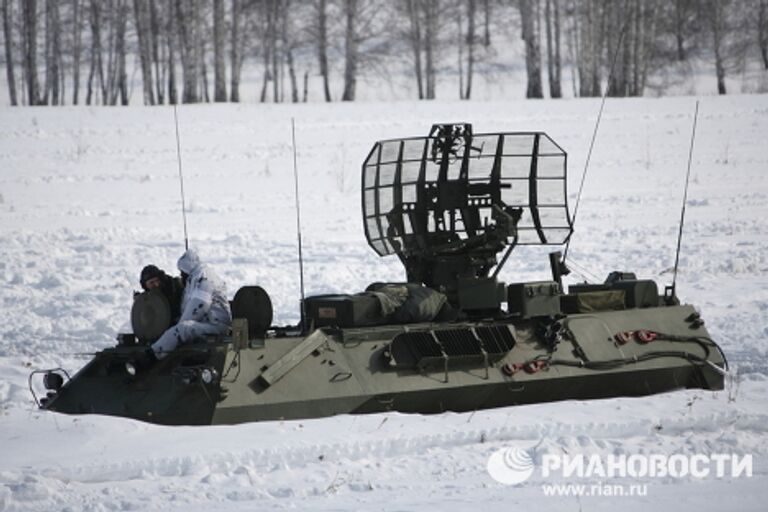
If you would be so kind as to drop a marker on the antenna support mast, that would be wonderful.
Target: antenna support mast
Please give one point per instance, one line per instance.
(298, 216)
(181, 178)
(670, 292)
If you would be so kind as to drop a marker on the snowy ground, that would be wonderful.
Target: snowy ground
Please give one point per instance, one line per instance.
(88, 196)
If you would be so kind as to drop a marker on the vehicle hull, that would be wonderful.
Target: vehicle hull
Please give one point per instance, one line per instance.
(350, 371)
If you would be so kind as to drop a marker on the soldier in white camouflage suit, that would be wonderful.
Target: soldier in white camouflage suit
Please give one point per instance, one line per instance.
(204, 306)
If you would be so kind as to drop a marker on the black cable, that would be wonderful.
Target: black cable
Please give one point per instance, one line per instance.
(611, 364)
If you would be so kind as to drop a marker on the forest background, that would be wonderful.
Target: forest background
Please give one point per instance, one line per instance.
(117, 52)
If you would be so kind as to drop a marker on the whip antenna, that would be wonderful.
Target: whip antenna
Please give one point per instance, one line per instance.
(181, 179)
(298, 215)
(685, 200)
(594, 136)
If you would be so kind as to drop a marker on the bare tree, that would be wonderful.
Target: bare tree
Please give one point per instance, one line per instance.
(645, 19)
(684, 15)
(415, 40)
(116, 16)
(121, 77)
(76, 48)
(589, 18)
(421, 36)
(29, 22)
(186, 12)
(528, 9)
(275, 50)
(289, 42)
(158, 50)
(235, 54)
(716, 16)
(552, 22)
(460, 46)
(430, 14)
(171, 41)
(268, 18)
(8, 38)
(350, 50)
(143, 33)
(53, 58)
(219, 69)
(470, 41)
(619, 46)
(109, 46)
(201, 36)
(96, 66)
(322, 46)
(762, 30)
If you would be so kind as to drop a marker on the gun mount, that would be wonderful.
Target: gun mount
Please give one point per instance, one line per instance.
(449, 202)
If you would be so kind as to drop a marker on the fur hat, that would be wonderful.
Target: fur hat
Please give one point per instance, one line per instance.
(149, 272)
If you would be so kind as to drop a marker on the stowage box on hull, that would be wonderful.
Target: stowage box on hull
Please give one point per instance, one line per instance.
(528, 300)
(343, 310)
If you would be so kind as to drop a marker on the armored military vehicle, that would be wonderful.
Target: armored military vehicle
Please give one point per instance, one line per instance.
(451, 206)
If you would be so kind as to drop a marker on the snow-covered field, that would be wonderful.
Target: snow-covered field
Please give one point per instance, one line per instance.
(89, 196)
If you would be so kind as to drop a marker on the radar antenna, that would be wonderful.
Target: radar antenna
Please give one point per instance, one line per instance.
(448, 203)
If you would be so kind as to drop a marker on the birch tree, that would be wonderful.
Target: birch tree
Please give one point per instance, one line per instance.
(530, 35)
(762, 30)
(219, 68)
(716, 16)
(96, 70)
(322, 46)
(77, 28)
(8, 39)
(430, 15)
(470, 43)
(552, 23)
(235, 53)
(350, 50)
(53, 58)
(186, 12)
(29, 40)
(414, 36)
(142, 21)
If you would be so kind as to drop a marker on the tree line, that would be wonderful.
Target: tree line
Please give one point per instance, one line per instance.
(92, 51)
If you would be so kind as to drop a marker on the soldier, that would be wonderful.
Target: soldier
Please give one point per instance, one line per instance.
(204, 306)
(172, 288)
(204, 311)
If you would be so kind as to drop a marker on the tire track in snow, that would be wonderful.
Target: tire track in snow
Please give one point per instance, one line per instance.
(265, 460)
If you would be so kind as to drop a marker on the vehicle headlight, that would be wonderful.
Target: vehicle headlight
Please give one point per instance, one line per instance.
(209, 375)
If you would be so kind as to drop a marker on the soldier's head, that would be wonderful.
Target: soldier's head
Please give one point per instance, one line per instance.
(188, 263)
(151, 277)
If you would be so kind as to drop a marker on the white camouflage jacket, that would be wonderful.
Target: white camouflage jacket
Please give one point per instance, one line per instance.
(205, 294)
